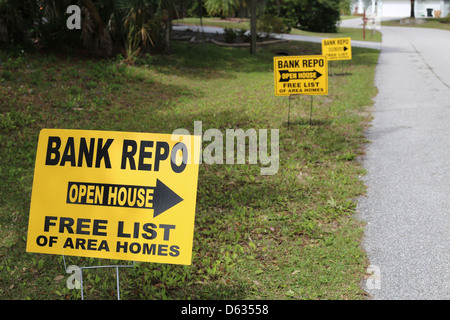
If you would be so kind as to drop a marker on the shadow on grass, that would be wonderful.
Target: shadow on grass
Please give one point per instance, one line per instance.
(340, 74)
(307, 122)
(208, 61)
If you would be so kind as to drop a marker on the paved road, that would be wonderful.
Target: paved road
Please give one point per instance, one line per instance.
(407, 208)
(362, 44)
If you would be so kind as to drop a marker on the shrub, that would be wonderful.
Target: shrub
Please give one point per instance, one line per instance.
(7, 75)
(310, 15)
(268, 24)
(445, 20)
(319, 16)
(229, 35)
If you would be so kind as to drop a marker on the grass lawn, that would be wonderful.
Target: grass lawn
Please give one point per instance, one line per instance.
(287, 236)
(355, 34)
(434, 23)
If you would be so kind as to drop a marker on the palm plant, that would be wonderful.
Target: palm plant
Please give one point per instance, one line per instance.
(146, 23)
(95, 32)
(135, 19)
(224, 8)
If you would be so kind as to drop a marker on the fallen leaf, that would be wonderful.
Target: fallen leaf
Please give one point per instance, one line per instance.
(58, 278)
(290, 293)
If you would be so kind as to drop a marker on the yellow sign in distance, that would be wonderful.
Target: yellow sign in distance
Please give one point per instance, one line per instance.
(115, 195)
(337, 49)
(307, 75)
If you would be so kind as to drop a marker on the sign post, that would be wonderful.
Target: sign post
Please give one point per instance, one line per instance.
(114, 195)
(301, 75)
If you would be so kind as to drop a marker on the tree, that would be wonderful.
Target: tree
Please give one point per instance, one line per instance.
(255, 6)
(253, 26)
(412, 9)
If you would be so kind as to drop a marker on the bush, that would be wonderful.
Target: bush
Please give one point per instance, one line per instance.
(445, 20)
(319, 15)
(239, 36)
(268, 24)
(229, 35)
(310, 15)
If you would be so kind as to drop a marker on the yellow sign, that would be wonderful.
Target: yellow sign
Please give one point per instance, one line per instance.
(301, 75)
(114, 195)
(337, 49)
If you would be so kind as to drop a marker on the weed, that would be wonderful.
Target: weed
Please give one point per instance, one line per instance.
(7, 75)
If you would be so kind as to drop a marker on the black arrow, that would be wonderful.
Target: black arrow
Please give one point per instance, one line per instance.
(298, 75)
(163, 198)
(160, 198)
(345, 48)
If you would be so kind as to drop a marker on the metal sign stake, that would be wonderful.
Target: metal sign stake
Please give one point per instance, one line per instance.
(97, 267)
(289, 112)
(310, 111)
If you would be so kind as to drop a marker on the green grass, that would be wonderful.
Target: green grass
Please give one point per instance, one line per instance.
(216, 22)
(433, 23)
(355, 34)
(287, 236)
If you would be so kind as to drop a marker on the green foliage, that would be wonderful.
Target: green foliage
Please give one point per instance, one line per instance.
(7, 75)
(318, 15)
(444, 20)
(345, 7)
(238, 35)
(229, 35)
(141, 26)
(107, 25)
(268, 24)
(222, 8)
(146, 25)
(310, 15)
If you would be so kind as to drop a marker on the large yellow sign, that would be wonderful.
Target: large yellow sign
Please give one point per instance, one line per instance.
(114, 195)
(337, 49)
(301, 75)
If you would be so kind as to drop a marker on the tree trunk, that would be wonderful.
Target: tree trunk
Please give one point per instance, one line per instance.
(93, 10)
(253, 26)
(412, 9)
(167, 39)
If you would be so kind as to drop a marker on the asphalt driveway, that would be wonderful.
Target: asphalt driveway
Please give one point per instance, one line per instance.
(407, 207)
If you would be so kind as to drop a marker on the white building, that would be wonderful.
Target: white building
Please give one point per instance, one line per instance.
(402, 8)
